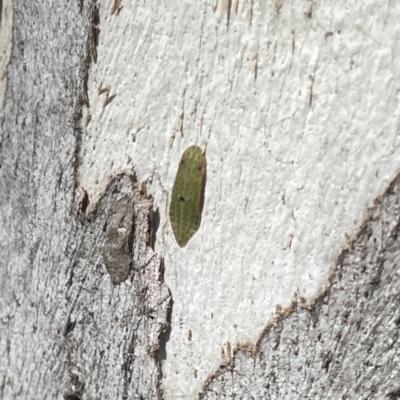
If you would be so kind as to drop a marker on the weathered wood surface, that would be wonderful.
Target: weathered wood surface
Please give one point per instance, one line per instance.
(345, 345)
(67, 331)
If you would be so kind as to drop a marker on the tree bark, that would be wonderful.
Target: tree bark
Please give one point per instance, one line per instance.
(66, 330)
(343, 345)
(70, 329)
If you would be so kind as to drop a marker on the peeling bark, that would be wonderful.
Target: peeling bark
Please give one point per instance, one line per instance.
(66, 330)
(117, 211)
(343, 345)
(84, 310)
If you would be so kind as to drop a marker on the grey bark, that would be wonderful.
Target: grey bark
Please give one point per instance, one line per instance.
(66, 330)
(70, 329)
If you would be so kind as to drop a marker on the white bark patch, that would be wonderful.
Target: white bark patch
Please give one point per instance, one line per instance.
(343, 345)
(298, 104)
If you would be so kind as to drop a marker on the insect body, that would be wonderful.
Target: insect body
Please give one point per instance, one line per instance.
(188, 195)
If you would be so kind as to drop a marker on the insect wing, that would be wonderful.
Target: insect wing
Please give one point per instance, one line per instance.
(188, 195)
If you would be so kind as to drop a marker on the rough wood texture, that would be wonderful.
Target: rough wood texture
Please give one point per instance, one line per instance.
(71, 330)
(345, 345)
(298, 104)
(126, 321)
(66, 330)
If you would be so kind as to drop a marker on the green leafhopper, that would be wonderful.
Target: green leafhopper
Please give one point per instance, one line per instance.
(188, 195)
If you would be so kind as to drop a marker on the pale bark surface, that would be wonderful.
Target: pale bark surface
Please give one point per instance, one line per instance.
(343, 346)
(68, 331)
(297, 104)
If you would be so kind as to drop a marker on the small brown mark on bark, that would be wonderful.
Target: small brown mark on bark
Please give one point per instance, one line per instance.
(254, 66)
(289, 245)
(293, 40)
(250, 12)
(116, 7)
(229, 351)
(226, 8)
(309, 13)
(88, 118)
(236, 6)
(108, 99)
(179, 125)
(251, 348)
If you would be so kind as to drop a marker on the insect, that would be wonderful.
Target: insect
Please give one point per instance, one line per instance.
(188, 195)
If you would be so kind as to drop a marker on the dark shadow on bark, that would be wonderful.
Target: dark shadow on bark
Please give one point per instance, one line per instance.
(155, 226)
